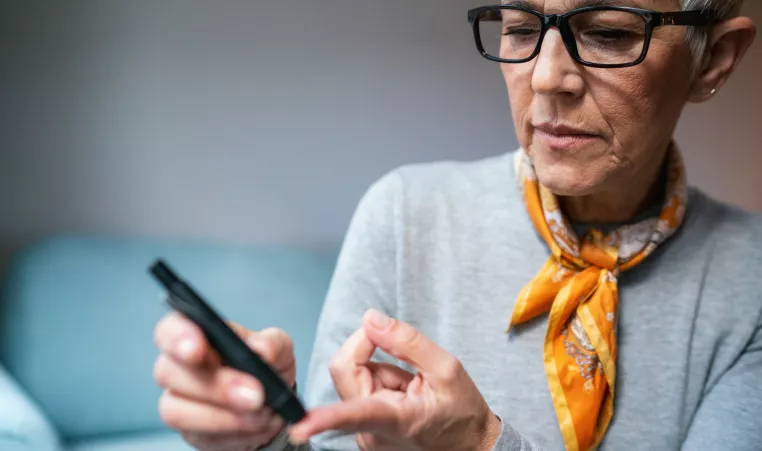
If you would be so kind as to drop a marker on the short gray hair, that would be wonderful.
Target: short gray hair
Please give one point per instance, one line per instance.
(697, 36)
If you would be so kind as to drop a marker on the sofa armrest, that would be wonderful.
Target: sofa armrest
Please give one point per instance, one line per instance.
(23, 427)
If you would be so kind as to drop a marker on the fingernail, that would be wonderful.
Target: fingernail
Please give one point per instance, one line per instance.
(247, 398)
(379, 320)
(186, 348)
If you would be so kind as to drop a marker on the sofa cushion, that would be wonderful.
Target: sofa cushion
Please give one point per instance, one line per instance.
(77, 316)
(23, 427)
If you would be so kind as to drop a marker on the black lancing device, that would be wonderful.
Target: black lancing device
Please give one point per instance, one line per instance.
(232, 350)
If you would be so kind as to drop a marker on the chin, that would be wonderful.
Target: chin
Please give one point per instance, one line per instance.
(569, 178)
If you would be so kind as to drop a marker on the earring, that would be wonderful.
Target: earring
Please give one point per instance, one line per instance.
(713, 92)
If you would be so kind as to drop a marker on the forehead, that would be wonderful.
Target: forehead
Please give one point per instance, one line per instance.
(549, 6)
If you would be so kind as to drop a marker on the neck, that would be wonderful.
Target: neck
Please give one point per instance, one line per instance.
(621, 203)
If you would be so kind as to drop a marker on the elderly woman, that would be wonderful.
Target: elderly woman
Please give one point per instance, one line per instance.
(576, 293)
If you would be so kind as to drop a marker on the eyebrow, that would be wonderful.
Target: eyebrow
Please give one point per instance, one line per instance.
(519, 3)
(574, 5)
(584, 3)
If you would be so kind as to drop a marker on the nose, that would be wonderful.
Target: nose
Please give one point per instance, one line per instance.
(555, 72)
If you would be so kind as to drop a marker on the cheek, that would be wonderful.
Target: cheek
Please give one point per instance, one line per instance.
(641, 104)
(623, 101)
(518, 81)
(636, 112)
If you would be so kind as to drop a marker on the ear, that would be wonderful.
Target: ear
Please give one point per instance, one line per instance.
(727, 44)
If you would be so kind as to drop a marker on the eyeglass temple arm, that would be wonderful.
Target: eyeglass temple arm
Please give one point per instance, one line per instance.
(695, 18)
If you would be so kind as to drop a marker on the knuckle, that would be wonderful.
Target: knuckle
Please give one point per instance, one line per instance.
(334, 368)
(408, 339)
(337, 367)
(452, 369)
(406, 335)
(162, 331)
(161, 371)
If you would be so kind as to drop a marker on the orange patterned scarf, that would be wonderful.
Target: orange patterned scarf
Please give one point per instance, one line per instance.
(578, 287)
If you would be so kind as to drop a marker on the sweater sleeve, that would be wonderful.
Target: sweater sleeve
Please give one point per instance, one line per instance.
(511, 440)
(366, 277)
(729, 415)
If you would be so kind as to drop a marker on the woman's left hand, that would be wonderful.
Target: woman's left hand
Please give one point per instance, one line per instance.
(391, 409)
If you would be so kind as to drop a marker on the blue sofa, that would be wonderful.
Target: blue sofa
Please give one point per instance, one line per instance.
(76, 331)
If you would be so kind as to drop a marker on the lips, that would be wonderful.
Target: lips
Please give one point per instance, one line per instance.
(562, 130)
(563, 137)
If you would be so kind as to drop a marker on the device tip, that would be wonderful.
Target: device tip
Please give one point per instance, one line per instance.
(162, 272)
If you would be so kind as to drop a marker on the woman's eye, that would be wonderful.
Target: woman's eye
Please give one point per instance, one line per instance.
(519, 31)
(608, 34)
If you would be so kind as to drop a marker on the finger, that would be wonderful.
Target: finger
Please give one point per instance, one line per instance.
(390, 377)
(406, 343)
(223, 387)
(356, 350)
(374, 414)
(187, 415)
(347, 368)
(239, 329)
(231, 441)
(178, 336)
(275, 347)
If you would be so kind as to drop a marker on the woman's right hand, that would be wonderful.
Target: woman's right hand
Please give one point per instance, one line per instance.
(214, 407)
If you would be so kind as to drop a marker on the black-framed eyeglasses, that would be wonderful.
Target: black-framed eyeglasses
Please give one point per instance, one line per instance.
(595, 36)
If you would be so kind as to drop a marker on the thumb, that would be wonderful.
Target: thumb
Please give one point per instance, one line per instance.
(405, 342)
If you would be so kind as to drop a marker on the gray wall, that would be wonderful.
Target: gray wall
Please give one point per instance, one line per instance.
(258, 121)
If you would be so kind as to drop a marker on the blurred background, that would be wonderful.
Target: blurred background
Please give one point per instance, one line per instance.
(245, 123)
(264, 121)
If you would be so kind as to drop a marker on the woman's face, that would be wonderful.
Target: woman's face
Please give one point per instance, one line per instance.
(590, 130)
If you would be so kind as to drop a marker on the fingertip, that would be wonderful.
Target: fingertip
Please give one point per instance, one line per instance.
(377, 320)
(247, 394)
(170, 328)
(301, 431)
(297, 434)
(186, 341)
(190, 348)
(295, 441)
(162, 333)
(257, 343)
(368, 313)
(274, 346)
(379, 329)
(186, 348)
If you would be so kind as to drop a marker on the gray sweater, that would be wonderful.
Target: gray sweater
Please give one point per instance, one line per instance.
(447, 247)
